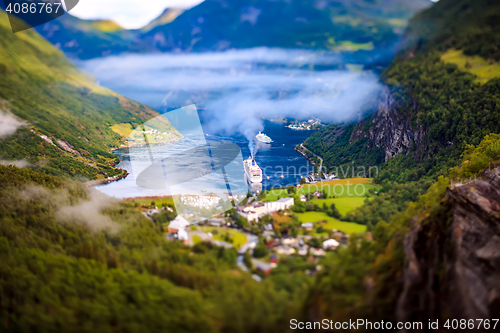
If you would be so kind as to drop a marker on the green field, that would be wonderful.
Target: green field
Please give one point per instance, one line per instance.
(351, 46)
(344, 205)
(239, 238)
(196, 239)
(342, 188)
(482, 68)
(331, 223)
(159, 201)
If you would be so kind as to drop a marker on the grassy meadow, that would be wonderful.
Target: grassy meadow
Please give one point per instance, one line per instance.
(485, 70)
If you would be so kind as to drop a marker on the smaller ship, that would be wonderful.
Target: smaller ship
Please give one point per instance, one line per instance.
(252, 170)
(263, 138)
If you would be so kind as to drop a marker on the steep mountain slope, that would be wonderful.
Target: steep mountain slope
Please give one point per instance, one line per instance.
(66, 117)
(330, 24)
(436, 260)
(76, 261)
(86, 38)
(370, 27)
(443, 92)
(168, 16)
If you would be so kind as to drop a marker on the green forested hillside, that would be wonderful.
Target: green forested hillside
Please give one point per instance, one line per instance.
(332, 24)
(443, 100)
(71, 266)
(54, 99)
(340, 25)
(87, 38)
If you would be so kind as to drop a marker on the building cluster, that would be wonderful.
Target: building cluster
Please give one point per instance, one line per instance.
(200, 201)
(177, 229)
(305, 126)
(291, 245)
(256, 210)
(157, 134)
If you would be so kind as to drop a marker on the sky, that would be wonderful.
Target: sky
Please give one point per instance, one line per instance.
(130, 14)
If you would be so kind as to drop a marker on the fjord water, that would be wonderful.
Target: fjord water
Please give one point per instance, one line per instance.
(237, 93)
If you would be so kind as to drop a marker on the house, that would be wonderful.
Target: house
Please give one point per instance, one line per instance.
(217, 222)
(330, 243)
(252, 212)
(274, 259)
(302, 250)
(263, 266)
(288, 241)
(272, 243)
(182, 235)
(308, 225)
(316, 252)
(280, 204)
(303, 198)
(177, 224)
(286, 250)
(153, 211)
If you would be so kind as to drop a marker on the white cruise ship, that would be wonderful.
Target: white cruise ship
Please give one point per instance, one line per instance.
(263, 138)
(252, 170)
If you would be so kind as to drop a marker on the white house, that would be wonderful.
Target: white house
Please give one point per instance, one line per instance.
(280, 204)
(177, 224)
(330, 243)
(182, 235)
(316, 252)
(307, 225)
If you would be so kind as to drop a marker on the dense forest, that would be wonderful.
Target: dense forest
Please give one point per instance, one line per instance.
(443, 104)
(52, 98)
(76, 260)
(72, 259)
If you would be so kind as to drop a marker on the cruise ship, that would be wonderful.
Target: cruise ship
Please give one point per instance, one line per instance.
(252, 170)
(263, 138)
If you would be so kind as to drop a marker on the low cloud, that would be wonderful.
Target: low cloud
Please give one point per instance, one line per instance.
(19, 163)
(8, 124)
(89, 212)
(237, 89)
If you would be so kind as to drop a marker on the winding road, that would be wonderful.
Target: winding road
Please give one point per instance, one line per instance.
(321, 160)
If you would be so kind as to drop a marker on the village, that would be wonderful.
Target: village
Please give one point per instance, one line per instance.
(266, 228)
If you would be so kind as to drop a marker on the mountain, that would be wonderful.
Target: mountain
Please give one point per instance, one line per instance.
(86, 39)
(62, 122)
(322, 24)
(168, 16)
(342, 25)
(434, 135)
(76, 260)
(442, 94)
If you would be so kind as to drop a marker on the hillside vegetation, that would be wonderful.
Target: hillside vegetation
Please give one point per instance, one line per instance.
(55, 100)
(75, 260)
(443, 94)
(366, 26)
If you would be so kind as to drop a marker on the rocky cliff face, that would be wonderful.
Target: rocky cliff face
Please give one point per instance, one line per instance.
(453, 257)
(391, 131)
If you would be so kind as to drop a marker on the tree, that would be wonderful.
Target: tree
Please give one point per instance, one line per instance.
(314, 242)
(247, 260)
(260, 251)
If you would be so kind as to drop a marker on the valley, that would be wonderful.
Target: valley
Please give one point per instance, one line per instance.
(402, 226)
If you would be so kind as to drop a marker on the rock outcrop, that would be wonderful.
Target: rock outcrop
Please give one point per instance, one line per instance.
(453, 257)
(391, 131)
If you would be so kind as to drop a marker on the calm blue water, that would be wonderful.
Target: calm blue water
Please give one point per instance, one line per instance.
(278, 158)
(235, 91)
